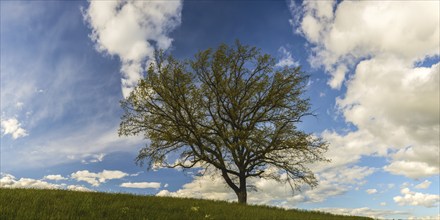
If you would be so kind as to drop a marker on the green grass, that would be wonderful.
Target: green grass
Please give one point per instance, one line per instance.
(62, 204)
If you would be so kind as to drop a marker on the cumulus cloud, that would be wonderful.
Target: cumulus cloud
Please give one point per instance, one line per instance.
(141, 185)
(13, 127)
(209, 186)
(348, 149)
(371, 191)
(416, 199)
(424, 185)
(342, 33)
(9, 181)
(398, 106)
(286, 58)
(132, 30)
(390, 98)
(412, 169)
(95, 179)
(54, 177)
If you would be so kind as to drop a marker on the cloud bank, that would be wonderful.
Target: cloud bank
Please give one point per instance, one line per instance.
(332, 182)
(386, 54)
(132, 30)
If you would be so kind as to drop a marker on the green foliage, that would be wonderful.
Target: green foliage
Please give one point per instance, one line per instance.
(232, 109)
(60, 204)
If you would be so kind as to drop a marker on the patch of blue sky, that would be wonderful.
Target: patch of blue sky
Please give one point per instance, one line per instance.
(428, 61)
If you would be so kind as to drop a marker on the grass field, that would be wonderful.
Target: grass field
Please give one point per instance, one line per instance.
(62, 204)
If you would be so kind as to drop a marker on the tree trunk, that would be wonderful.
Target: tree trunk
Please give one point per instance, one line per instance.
(242, 192)
(242, 196)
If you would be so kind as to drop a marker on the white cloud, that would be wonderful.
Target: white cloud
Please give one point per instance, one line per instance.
(381, 97)
(425, 217)
(136, 174)
(383, 204)
(132, 30)
(97, 178)
(97, 158)
(164, 192)
(393, 103)
(286, 58)
(332, 182)
(13, 127)
(417, 161)
(365, 211)
(92, 158)
(416, 199)
(209, 186)
(371, 191)
(424, 185)
(348, 149)
(338, 77)
(9, 181)
(412, 169)
(142, 185)
(79, 188)
(353, 30)
(54, 177)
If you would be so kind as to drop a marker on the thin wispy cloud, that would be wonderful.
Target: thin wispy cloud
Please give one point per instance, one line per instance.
(141, 185)
(286, 58)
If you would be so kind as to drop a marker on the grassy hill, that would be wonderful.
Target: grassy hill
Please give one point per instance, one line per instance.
(62, 204)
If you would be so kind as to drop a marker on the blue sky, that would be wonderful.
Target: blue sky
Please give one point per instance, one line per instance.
(374, 85)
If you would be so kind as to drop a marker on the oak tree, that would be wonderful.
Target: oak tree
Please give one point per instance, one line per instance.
(231, 108)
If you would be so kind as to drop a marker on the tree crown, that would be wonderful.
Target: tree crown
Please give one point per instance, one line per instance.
(230, 108)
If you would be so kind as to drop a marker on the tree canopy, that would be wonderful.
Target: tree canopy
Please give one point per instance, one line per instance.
(231, 108)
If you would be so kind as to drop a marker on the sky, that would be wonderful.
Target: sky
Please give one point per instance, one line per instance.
(374, 85)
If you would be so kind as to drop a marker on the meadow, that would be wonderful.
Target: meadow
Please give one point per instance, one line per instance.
(63, 204)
